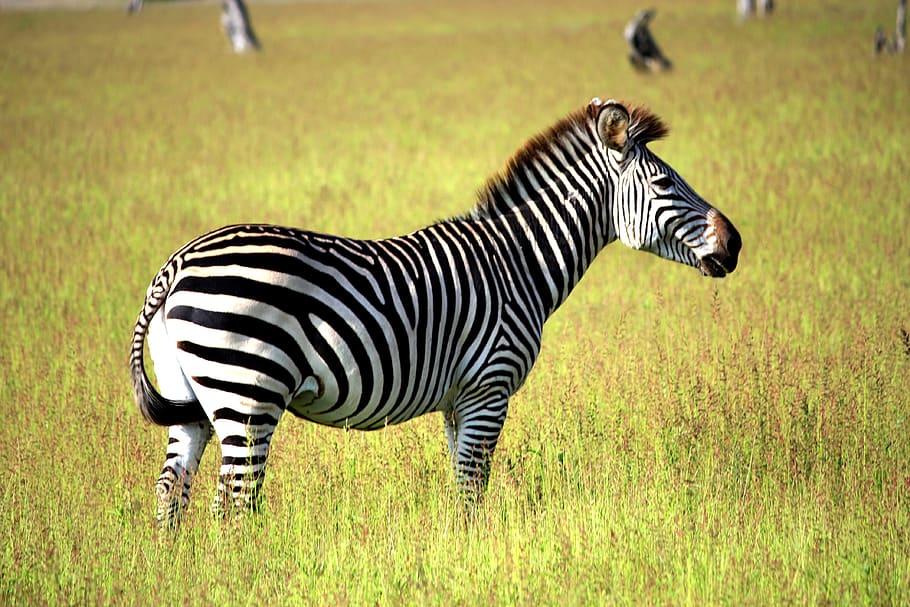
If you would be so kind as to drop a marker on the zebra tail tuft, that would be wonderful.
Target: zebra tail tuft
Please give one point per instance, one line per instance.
(155, 407)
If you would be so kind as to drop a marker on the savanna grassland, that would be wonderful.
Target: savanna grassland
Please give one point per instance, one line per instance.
(680, 441)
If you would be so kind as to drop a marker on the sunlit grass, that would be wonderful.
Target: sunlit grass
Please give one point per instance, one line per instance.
(680, 440)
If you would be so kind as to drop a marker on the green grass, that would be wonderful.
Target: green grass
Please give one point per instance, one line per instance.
(680, 440)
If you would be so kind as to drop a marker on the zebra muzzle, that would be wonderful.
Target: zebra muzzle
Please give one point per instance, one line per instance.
(727, 245)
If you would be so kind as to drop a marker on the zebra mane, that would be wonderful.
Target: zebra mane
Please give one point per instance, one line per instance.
(645, 126)
(499, 194)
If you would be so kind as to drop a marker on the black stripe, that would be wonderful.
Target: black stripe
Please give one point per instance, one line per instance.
(235, 440)
(255, 393)
(252, 460)
(260, 419)
(290, 265)
(242, 359)
(249, 326)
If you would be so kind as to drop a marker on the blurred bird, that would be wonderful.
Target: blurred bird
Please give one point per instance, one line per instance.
(881, 42)
(644, 52)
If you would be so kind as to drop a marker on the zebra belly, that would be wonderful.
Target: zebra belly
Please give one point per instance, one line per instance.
(310, 404)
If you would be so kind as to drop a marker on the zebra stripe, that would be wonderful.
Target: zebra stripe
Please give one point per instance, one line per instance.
(249, 321)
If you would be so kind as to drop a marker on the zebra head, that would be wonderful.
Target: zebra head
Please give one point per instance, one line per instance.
(652, 207)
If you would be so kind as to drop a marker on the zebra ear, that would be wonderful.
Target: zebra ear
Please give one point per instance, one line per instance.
(613, 125)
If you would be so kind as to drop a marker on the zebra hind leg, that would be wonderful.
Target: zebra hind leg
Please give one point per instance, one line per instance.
(185, 446)
(186, 442)
(245, 441)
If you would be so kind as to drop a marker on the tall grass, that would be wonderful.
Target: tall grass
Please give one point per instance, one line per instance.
(680, 440)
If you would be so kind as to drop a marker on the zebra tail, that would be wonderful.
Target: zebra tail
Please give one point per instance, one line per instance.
(155, 407)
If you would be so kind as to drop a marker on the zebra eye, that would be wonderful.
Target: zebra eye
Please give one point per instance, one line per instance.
(663, 182)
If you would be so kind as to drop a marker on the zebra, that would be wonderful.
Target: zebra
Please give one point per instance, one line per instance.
(247, 322)
(238, 27)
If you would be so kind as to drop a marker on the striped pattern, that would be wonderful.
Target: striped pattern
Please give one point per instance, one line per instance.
(249, 321)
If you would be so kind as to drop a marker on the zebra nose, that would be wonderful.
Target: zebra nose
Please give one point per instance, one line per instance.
(729, 242)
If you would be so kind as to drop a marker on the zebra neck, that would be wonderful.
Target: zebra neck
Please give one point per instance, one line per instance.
(550, 246)
(550, 203)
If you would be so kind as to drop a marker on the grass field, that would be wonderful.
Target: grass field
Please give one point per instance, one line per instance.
(680, 441)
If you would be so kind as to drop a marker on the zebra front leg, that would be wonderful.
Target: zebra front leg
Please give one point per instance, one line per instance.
(185, 445)
(473, 427)
(245, 444)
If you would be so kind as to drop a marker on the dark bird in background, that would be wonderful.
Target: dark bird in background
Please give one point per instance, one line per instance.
(235, 21)
(882, 44)
(644, 53)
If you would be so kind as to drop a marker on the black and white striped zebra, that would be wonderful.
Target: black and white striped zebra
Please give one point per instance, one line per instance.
(249, 321)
